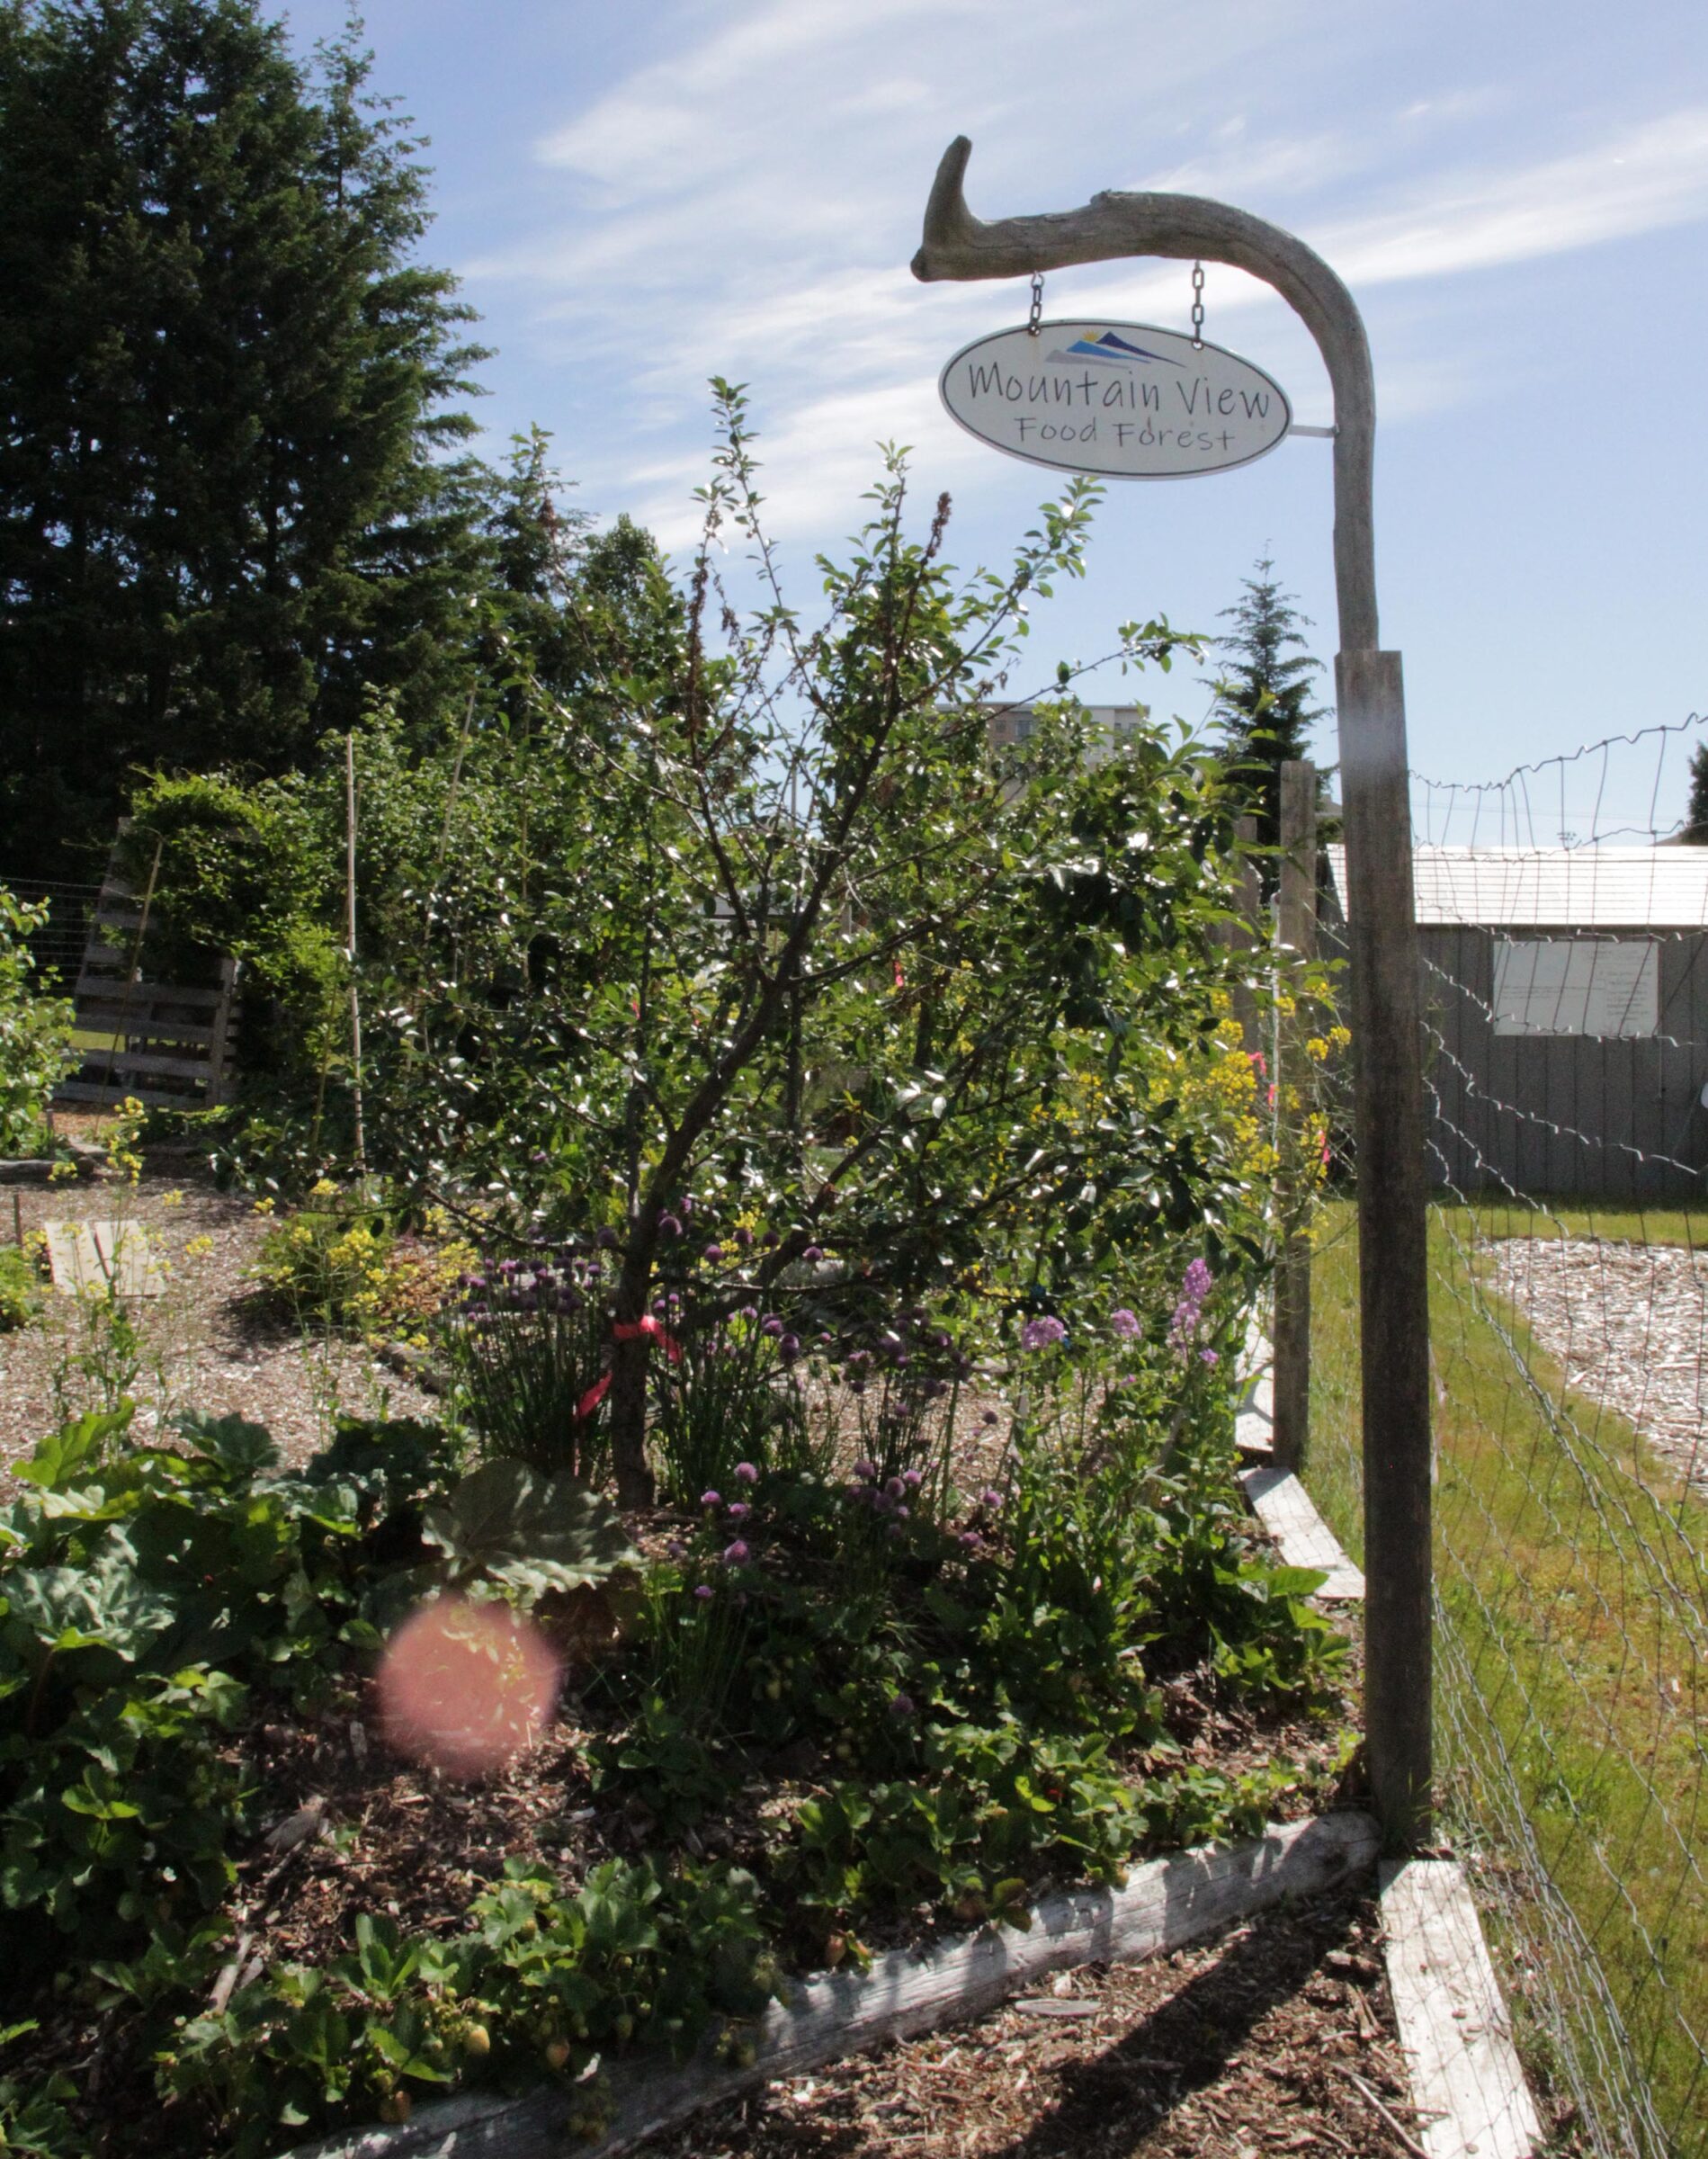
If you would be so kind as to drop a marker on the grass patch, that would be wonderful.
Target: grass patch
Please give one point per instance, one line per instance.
(1572, 1660)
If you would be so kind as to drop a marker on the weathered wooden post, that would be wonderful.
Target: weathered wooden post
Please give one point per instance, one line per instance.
(1385, 1001)
(1296, 936)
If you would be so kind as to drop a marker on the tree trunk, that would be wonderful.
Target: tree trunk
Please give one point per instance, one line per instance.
(627, 1396)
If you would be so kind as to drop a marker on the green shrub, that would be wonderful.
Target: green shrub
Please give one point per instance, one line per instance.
(35, 1034)
(20, 1289)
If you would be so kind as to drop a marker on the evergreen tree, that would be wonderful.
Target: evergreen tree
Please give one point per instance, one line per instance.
(1695, 828)
(1263, 701)
(227, 505)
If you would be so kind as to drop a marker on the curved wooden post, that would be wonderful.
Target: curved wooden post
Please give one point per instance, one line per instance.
(1387, 1052)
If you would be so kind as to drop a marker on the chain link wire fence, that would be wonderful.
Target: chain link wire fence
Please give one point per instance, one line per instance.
(1563, 923)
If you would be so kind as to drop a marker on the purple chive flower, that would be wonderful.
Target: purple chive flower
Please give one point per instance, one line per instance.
(813, 1252)
(771, 1324)
(903, 1514)
(971, 1540)
(746, 1474)
(669, 1226)
(989, 1417)
(912, 1479)
(735, 1554)
(748, 1312)
(1207, 1357)
(744, 1237)
(768, 1241)
(867, 1470)
(1043, 1333)
(990, 1497)
(711, 1499)
(1124, 1323)
(677, 1548)
(738, 1510)
(789, 1347)
(894, 1487)
(703, 1592)
(901, 1704)
(715, 1253)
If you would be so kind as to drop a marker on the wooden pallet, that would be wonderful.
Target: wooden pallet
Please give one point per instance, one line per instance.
(97, 1256)
(165, 1043)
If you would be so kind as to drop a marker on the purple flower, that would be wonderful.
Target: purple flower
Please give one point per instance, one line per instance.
(715, 1253)
(738, 1510)
(711, 1499)
(990, 1497)
(703, 1592)
(606, 1240)
(677, 1548)
(744, 1237)
(912, 1479)
(894, 1487)
(813, 1252)
(1124, 1323)
(735, 1554)
(669, 1226)
(901, 1704)
(971, 1540)
(989, 1417)
(746, 1474)
(902, 1514)
(1207, 1357)
(748, 1312)
(1196, 1285)
(769, 1240)
(1043, 1333)
(771, 1323)
(789, 1347)
(867, 1470)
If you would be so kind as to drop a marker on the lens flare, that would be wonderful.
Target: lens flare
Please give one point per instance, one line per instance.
(465, 1688)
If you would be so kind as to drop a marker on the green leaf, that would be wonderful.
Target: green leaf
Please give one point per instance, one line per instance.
(511, 1525)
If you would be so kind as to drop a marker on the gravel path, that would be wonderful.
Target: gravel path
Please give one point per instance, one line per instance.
(205, 1344)
(1628, 1324)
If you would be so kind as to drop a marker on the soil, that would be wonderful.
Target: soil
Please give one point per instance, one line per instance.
(1256, 2043)
(208, 1343)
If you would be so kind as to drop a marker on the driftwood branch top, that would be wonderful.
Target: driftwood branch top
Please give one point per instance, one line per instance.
(957, 244)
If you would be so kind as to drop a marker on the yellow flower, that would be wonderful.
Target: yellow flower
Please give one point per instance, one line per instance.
(172, 1199)
(197, 1247)
(264, 1206)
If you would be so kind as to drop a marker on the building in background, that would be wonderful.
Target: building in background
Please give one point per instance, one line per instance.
(1566, 1018)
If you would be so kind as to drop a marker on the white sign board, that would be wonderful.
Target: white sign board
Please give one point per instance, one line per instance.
(1576, 986)
(1117, 398)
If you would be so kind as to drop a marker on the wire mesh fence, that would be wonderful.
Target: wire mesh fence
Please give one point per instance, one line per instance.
(1564, 946)
(58, 945)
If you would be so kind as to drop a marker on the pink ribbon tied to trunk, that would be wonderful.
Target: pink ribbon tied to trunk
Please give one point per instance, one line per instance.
(645, 1329)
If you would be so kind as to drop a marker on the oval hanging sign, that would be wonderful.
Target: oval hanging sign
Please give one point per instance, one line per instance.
(1119, 399)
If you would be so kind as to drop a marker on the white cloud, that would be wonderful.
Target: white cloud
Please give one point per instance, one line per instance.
(1645, 180)
(748, 205)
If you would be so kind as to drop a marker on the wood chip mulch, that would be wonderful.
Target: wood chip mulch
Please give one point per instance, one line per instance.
(1276, 2038)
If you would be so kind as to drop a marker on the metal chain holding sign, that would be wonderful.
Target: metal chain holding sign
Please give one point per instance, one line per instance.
(1035, 321)
(1198, 307)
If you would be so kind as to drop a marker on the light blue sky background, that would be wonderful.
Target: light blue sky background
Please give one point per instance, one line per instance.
(1518, 192)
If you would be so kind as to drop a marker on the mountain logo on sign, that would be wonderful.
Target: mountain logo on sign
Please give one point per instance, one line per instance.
(1111, 350)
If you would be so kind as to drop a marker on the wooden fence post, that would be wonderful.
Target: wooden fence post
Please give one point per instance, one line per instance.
(1297, 943)
(1393, 1260)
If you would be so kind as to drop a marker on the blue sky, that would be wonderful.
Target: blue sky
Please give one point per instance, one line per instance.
(638, 198)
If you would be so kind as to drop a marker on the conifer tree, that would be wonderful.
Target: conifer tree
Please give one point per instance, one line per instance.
(1263, 701)
(229, 504)
(1695, 826)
